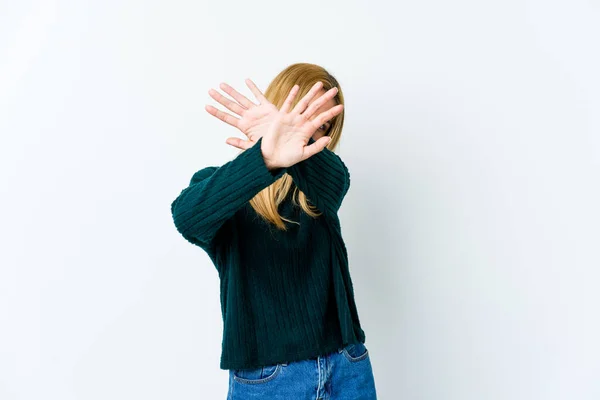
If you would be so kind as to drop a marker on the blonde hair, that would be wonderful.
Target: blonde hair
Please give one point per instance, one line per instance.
(305, 75)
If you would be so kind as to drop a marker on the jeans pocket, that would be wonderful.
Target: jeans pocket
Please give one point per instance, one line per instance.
(355, 352)
(257, 375)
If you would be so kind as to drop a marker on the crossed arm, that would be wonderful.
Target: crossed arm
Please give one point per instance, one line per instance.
(324, 179)
(216, 193)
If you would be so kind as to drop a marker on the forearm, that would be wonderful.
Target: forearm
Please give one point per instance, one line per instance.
(216, 193)
(324, 179)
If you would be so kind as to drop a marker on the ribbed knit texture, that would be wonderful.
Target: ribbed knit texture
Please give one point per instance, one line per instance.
(285, 296)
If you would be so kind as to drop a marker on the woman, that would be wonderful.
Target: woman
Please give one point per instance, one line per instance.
(268, 220)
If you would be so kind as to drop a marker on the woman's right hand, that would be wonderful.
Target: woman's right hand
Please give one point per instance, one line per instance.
(285, 141)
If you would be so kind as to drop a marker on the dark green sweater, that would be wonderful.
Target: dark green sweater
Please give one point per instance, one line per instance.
(285, 296)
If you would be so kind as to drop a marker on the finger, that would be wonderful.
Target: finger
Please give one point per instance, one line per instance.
(314, 106)
(289, 100)
(301, 106)
(257, 93)
(223, 116)
(239, 143)
(316, 147)
(230, 105)
(326, 116)
(240, 98)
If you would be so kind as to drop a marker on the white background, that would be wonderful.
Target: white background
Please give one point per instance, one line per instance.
(472, 223)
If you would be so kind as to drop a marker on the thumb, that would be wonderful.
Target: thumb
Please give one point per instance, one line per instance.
(316, 147)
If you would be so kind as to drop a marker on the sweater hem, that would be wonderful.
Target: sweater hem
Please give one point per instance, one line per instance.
(289, 357)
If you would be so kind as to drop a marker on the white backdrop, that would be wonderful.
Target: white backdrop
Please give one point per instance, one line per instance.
(472, 223)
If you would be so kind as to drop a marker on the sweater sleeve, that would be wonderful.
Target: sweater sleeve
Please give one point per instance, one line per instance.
(323, 178)
(216, 193)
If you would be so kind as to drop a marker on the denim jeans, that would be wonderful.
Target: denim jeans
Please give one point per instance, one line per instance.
(340, 375)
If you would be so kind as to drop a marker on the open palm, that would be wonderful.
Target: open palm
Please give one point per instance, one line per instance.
(254, 118)
(285, 141)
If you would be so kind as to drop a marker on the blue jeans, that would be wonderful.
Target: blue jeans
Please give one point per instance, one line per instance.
(340, 375)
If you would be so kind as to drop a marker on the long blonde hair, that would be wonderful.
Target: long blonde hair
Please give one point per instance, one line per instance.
(305, 75)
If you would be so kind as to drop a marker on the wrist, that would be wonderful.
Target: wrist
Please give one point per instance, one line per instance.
(271, 165)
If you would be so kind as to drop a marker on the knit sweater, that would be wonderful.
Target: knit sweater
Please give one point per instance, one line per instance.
(285, 296)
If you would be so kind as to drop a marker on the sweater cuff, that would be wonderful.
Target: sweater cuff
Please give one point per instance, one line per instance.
(257, 160)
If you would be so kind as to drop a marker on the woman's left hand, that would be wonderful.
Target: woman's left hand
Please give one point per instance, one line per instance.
(255, 118)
